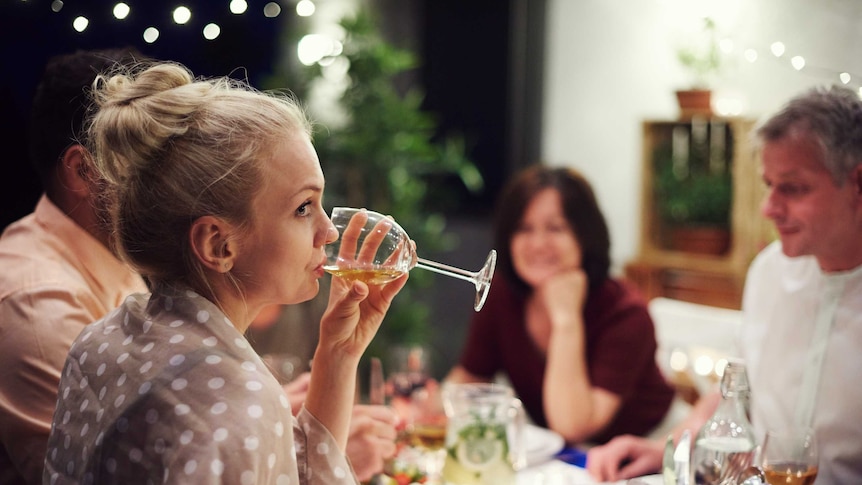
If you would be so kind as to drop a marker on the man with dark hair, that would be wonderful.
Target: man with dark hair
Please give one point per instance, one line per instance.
(56, 271)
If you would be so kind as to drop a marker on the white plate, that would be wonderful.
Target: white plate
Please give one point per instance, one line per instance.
(541, 443)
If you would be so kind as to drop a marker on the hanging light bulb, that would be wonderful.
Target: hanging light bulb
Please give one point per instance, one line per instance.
(777, 49)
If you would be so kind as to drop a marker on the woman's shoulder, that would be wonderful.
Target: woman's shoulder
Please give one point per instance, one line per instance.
(618, 301)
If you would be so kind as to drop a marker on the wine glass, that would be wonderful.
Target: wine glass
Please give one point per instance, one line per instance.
(789, 457)
(373, 248)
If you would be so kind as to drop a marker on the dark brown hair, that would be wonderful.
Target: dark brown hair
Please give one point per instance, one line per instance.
(579, 207)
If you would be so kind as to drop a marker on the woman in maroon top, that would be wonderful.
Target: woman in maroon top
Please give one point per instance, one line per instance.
(577, 345)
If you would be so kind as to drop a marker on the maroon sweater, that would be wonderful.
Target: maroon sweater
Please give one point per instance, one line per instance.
(621, 348)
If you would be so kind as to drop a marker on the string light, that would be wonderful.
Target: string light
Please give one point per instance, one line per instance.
(80, 23)
(121, 11)
(182, 15)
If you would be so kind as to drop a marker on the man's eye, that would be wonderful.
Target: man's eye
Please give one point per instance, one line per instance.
(791, 189)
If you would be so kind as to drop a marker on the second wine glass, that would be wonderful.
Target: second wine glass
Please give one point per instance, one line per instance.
(373, 248)
(789, 457)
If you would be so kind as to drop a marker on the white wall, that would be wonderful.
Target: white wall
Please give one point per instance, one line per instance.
(611, 64)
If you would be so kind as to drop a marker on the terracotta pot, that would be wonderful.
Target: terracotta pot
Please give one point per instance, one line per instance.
(694, 102)
(700, 239)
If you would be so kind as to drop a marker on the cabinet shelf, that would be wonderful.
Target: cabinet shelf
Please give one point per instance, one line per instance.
(659, 268)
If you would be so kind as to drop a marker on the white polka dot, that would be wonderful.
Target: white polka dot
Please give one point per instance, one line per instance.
(102, 347)
(253, 385)
(128, 340)
(100, 438)
(152, 416)
(122, 358)
(249, 366)
(135, 455)
(67, 441)
(177, 360)
(213, 359)
(284, 402)
(218, 408)
(247, 477)
(111, 465)
(159, 446)
(270, 461)
(54, 454)
(119, 400)
(176, 339)
(86, 336)
(66, 417)
(169, 303)
(66, 392)
(203, 316)
(146, 367)
(145, 388)
(279, 429)
(190, 467)
(148, 347)
(85, 382)
(181, 409)
(84, 405)
(102, 392)
(220, 434)
(339, 472)
(70, 467)
(322, 449)
(251, 443)
(99, 414)
(85, 428)
(255, 411)
(187, 436)
(101, 369)
(109, 329)
(147, 325)
(82, 358)
(191, 294)
(176, 323)
(210, 341)
(121, 380)
(54, 477)
(240, 342)
(126, 319)
(179, 384)
(216, 383)
(217, 467)
(282, 480)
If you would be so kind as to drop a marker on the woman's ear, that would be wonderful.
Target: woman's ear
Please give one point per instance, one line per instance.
(212, 243)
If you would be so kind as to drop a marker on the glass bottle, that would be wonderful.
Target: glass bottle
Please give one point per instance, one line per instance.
(725, 446)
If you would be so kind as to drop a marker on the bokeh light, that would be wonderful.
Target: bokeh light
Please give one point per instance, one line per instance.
(272, 9)
(151, 34)
(211, 31)
(182, 15)
(121, 11)
(305, 8)
(80, 23)
(238, 6)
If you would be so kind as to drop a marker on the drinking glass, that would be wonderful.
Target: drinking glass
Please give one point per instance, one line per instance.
(373, 248)
(789, 457)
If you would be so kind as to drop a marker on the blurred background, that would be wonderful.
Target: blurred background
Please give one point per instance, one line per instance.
(480, 88)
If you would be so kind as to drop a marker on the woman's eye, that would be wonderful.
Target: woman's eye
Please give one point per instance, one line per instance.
(304, 209)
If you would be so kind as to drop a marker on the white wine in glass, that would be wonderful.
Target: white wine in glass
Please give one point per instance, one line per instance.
(373, 248)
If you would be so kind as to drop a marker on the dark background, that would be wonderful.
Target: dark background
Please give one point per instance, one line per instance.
(480, 67)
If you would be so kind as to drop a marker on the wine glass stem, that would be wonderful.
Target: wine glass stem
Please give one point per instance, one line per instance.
(447, 270)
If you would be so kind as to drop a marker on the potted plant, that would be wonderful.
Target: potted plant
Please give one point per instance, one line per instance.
(702, 59)
(693, 199)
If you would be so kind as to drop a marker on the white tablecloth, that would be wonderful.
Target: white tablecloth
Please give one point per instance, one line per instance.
(555, 472)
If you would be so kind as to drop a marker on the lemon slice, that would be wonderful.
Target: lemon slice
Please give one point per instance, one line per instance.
(479, 453)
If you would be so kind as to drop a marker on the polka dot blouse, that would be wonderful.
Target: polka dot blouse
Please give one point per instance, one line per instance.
(164, 389)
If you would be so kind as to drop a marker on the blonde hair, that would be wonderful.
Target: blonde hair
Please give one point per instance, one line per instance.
(171, 149)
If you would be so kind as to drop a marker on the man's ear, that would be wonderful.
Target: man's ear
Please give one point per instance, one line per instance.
(212, 243)
(74, 170)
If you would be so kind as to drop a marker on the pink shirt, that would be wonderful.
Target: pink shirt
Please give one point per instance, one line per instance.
(55, 278)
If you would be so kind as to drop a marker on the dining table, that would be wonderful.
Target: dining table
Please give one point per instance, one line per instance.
(558, 472)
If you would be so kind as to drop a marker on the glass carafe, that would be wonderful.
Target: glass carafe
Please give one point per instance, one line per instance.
(725, 446)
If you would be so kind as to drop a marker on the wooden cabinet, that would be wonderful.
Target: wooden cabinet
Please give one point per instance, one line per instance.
(661, 268)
